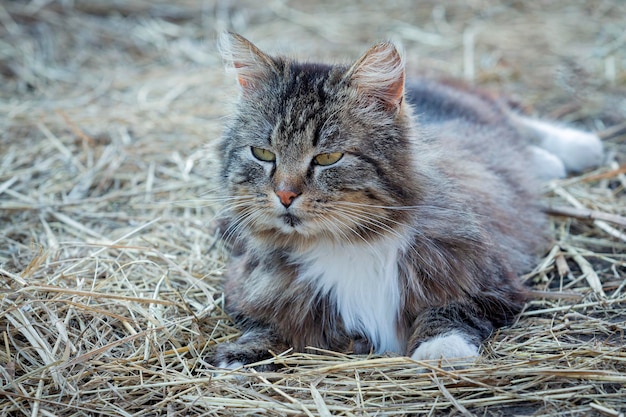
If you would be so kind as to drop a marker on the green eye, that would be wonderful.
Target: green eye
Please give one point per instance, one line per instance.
(263, 154)
(325, 159)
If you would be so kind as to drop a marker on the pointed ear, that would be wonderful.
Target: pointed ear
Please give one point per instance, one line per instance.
(379, 75)
(251, 65)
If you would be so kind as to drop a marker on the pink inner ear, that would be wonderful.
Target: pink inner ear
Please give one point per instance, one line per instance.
(379, 74)
(240, 78)
(242, 82)
(396, 91)
(251, 65)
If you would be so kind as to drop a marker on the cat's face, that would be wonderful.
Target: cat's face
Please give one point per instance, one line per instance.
(315, 150)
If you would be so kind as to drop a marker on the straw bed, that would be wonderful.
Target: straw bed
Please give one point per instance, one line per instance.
(110, 294)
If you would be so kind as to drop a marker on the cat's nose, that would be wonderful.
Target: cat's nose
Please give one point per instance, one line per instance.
(286, 197)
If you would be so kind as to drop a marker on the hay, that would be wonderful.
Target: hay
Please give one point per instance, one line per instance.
(109, 272)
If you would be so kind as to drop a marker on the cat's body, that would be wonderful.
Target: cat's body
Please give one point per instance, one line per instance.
(360, 222)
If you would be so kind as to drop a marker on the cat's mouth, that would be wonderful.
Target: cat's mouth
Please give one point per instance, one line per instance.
(291, 220)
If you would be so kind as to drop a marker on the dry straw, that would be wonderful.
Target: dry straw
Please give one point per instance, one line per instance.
(110, 296)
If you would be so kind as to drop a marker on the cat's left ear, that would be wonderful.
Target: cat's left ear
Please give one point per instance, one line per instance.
(379, 75)
(252, 66)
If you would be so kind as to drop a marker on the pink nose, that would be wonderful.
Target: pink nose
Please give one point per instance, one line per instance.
(286, 197)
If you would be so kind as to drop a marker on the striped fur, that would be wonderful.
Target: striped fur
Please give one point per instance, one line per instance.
(411, 242)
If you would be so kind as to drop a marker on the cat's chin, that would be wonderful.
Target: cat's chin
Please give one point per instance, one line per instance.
(288, 230)
(290, 224)
(298, 234)
(284, 227)
(297, 229)
(291, 220)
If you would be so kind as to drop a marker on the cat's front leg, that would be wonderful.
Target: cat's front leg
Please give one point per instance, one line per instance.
(452, 334)
(255, 345)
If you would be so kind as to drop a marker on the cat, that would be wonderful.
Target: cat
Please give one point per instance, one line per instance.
(367, 214)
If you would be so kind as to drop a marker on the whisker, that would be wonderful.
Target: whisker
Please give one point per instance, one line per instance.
(252, 215)
(215, 190)
(352, 203)
(330, 228)
(363, 217)
(238, 224)
(439, 209)
(206, 202)
(335, 224)
(380, 216)
(219, 199)
(347, 216)
(234, 205)
(354, 231)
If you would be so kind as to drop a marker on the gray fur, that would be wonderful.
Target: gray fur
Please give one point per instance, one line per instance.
(436, 166)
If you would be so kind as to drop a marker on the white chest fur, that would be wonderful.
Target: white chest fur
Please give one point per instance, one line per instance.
(363, 282)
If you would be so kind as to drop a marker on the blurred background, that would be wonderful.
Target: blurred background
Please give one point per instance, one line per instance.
(109, 278)
(565, 58)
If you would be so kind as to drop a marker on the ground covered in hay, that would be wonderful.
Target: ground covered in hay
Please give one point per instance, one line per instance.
(110, 276)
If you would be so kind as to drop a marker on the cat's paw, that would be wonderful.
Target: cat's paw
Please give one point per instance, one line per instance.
(452, 348)
(547, 166)
(234, 355)
(577, 149)
(232, 365)
(254, 347)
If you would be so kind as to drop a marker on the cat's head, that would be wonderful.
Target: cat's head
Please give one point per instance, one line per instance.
(317, 151)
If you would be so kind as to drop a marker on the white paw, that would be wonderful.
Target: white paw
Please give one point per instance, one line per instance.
(546, 165)
(230, 365)
(449, 346)
(577, 149)
(226, 371)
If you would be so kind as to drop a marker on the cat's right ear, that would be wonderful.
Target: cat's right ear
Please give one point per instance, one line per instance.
(379, 75)
(251, 65)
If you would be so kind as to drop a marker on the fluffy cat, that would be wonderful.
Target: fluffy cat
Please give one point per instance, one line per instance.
(367, 215)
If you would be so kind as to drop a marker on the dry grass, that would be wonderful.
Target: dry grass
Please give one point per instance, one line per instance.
(109, 273)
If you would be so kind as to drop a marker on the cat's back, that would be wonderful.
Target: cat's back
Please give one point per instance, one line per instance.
(441, 101)
(469, 124)
(483, 158)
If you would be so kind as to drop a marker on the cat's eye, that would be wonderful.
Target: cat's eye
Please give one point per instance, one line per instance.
(326, 159)
(263, 154)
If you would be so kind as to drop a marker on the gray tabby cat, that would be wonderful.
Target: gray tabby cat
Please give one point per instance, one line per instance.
(369, 216)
